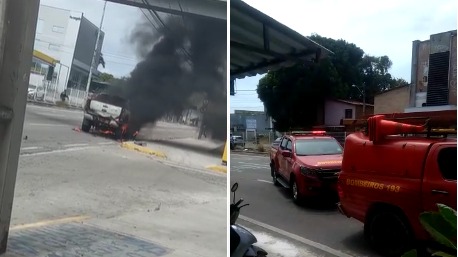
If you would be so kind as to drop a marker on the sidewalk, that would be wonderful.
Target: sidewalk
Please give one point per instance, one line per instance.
(281, 247)
(253, 149)
(49, 104)
(186, 153)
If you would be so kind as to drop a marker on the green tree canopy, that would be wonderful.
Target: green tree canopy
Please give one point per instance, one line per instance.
(106, 77)
(294, 96)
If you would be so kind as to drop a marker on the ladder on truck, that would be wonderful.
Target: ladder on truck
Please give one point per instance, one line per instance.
(436, 123)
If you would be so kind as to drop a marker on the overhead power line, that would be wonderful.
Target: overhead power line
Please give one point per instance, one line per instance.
(156, 16)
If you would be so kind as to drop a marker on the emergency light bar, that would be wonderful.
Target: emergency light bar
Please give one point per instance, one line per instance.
(308, 133)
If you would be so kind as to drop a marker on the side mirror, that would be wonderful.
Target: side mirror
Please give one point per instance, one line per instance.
(286, 153)
(234, 187)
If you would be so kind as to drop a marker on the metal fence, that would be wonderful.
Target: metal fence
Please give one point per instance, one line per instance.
(269, 137)
(76, 98)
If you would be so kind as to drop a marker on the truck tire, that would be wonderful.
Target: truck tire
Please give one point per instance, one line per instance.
(389, 233)
(297, 197)
(86, 125)
(274, 174)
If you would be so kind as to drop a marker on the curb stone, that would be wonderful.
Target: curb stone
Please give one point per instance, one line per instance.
(218, 168)
(142, 149)
(134, 147)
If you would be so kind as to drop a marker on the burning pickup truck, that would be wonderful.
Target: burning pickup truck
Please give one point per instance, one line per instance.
(108, 114)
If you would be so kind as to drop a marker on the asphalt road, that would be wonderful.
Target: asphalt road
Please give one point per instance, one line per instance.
(319, 228)
(123, 203)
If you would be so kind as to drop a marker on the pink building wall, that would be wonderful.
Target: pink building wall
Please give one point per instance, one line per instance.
(335, 111)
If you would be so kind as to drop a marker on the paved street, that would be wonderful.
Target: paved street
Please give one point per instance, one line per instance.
(319, 230)
(122, 202)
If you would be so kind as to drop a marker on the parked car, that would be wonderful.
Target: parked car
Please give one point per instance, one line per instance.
(36, 93)
(237, 141)
(395, 172)
(308, 163)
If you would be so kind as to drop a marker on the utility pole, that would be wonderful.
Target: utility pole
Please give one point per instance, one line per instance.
(364, 101)
(95, 50)
(363, 93)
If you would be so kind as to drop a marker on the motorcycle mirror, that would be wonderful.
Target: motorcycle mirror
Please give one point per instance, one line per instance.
(234, 187)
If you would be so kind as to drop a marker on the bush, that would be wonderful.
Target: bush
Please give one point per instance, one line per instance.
(261, 148)
(442, 228)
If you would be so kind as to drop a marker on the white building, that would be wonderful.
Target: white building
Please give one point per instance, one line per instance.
(69, 38)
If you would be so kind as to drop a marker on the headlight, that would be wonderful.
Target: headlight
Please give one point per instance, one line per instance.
(308, 172)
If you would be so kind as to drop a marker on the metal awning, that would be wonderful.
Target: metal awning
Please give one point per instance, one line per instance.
(45, 58)
(260, 43)
(204, 8)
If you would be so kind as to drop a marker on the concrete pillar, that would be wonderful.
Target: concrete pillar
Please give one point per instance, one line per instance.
(18, 20)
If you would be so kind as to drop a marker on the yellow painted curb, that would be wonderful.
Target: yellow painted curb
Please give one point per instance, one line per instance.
(49, 222)
(218, 168)
(224, 157)
(142, 149)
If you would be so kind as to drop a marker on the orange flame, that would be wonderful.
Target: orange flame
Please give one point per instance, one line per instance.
(106, 132)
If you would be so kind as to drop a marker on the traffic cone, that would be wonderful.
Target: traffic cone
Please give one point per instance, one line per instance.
(379, 128)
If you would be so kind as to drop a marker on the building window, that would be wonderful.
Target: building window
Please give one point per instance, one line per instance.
(446, 164)
(348, 113)
(58, 29)
(40, 25)
(54, 47)
(425, 79)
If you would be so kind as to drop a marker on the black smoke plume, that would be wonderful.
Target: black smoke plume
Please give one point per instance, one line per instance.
(186, 56)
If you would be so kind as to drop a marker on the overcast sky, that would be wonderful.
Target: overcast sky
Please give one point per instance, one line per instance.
(118, 22)
(378, 27)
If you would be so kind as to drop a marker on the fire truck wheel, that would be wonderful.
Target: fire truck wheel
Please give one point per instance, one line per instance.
(297, 198)
(389, 233)
(274, 174)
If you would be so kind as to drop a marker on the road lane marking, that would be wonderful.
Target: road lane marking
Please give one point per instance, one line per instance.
(30, 148)
(59, 151)
(75, 145)
(49, 222)
(105, 143)
(278, 246)
(246, 156)
(306, 241)
(254, 165)
(53, 114)
(47, 124)
(53, 109)
(265, 181)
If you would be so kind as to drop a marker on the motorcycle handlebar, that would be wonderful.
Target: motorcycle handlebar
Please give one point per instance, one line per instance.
(238, 202)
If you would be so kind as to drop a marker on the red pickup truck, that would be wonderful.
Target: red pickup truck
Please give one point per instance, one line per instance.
(396, 171)
(306, 162)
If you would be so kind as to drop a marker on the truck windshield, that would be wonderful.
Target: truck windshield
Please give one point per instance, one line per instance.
(317, 146)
